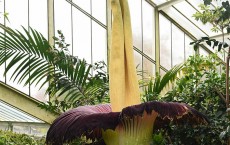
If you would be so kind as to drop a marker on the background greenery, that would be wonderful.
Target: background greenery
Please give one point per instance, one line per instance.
(202, 87)
(9, 138)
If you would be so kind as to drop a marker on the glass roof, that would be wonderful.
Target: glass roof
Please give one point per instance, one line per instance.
(181, 11)
(10, 113)
(158, 2)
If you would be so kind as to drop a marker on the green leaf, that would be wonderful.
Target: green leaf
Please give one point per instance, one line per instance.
(191, 43)
(225, 45)
(37, 63)
(160, 83)
(59, 31)
(207, 2)
(6, 16)
(219, 46)
(196, 47)
(205, 38)
(228, 29)
(209, 43)
(215, 43)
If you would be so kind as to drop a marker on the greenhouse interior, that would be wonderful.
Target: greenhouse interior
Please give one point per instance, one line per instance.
(117, 72)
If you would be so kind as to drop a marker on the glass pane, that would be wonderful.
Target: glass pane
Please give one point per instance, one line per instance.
(148, 30)
(203, 52)
(189, 50)
(38, 21)
(135, 11)
(196, 3)
(138, 63)
(221, 55)
(165, 42)
(148, 68)
(2, 13)
(62, 17)
(158, 2)
(177, 45)
(162, 72)
(18, 13)
(81, 36)
(188, 11)
(38, 93)
(18, 16)
(2, 68)
(99, 10)
(185, 23)
(218, 3)
(38, 18)
(15, 84)
(84, 4)
(99, 43)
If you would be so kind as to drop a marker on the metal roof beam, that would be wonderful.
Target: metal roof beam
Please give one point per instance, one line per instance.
(25, 103)
(219, 36)
(168, 4)
(151, 3)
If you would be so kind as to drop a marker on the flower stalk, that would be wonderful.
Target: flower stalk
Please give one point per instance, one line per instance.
(124, 90)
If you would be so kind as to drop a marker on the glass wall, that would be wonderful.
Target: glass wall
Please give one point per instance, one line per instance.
(33, 129)
(83, 23)
(174, 44)
(2, 67)
(143, 28)
(26, 13)
(17, 18)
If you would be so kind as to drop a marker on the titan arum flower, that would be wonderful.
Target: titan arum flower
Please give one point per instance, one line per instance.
(125, 121)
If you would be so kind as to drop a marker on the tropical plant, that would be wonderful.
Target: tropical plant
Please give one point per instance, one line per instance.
(125, 120)
(36, 61)
(219, 16)
(156, 85)
(100, 79)
(158, 139)
(202, 87)
(10, 138)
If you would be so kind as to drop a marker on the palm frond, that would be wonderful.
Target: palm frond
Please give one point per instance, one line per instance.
(155, 86)
(169, 77)
(35, 60)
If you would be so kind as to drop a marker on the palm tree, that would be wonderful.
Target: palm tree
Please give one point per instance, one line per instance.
(35, 60)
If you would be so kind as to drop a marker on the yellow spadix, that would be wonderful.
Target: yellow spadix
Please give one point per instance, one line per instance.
(124, 90)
